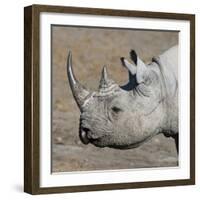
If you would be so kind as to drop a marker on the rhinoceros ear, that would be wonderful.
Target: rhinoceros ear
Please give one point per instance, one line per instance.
(142, 70)
(131, 67)
(134, 56)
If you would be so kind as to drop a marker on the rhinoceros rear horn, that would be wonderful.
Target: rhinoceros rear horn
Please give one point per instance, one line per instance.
(106, 85)
(104, 81)
(80, 93)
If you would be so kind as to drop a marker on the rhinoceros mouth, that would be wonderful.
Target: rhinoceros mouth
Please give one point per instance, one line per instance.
(83, 136)
(87, 136)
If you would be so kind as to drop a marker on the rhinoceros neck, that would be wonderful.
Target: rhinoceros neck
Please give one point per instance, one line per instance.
(167, 64)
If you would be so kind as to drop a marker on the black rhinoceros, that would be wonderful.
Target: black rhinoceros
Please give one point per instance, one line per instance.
(126, 116)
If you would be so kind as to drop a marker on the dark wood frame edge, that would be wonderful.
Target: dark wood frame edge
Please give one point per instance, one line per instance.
(31, 99)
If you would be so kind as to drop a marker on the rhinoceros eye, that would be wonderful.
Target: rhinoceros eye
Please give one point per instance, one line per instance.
(116, 109)
(114, 113)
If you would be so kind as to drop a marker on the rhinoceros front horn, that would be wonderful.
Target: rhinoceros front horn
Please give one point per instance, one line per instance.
(80, 93)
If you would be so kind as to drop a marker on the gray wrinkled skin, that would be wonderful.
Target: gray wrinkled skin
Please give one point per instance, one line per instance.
(126, 116)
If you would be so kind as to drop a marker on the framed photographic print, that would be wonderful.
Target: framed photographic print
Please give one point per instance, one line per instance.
(109, 99)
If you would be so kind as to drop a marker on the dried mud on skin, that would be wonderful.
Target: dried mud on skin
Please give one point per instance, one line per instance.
(91, 49)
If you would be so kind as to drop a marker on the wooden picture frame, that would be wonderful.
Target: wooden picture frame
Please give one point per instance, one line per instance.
(32, 106)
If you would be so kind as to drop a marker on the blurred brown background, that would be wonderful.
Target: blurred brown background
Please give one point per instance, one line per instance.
(91, 49)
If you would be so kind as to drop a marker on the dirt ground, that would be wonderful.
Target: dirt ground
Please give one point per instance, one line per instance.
(91, 49)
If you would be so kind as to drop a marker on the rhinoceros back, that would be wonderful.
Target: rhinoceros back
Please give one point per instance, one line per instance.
(168, 62)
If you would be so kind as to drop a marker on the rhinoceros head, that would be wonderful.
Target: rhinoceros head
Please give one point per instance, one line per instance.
(119, 116)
